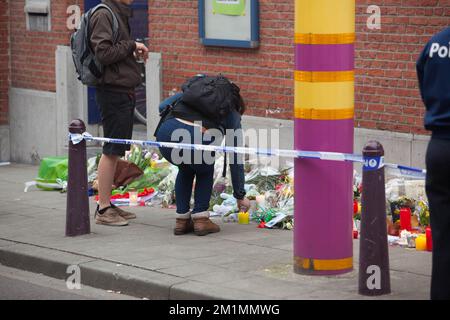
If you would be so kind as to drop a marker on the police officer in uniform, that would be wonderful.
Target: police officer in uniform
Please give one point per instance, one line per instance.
(433, 69)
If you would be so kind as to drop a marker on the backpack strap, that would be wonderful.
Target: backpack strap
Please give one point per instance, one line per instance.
(165, 114)
(224, 170)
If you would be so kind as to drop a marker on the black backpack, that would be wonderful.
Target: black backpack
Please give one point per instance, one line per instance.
(213, 96)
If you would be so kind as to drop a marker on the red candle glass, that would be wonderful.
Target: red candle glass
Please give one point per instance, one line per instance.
(355, 207)
(429, 239)
(405, 219)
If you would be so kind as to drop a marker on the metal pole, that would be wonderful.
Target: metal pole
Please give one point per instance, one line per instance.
(324, 111)
(374, 278)
(77, 214)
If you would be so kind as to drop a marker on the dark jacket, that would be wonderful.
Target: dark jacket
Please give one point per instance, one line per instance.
(233, 122)
(433, 70)
(185, 112)
(121, 72)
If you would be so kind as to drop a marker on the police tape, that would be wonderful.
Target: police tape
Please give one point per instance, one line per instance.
(369, 164)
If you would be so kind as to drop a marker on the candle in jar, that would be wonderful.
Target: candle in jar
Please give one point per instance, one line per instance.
(133, 198)
(243, 217)
(421, 243)
(405, 219)
(429, 239)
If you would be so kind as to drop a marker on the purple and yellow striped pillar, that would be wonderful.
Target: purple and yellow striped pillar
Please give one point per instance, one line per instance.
(324, 110)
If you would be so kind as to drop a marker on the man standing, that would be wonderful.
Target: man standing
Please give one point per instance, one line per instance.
(433, 68)
(115, 97)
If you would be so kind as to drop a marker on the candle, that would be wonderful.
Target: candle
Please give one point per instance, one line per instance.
(133, 195)
(355, 230)
(243, 218)
(421, 243)
(429, 239)
(405, 219)
(355, 207)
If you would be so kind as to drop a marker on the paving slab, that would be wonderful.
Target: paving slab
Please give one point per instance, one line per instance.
(145, 259)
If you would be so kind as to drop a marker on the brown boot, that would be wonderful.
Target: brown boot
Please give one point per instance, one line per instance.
(110, 217)
(203, 225)
(183, 224)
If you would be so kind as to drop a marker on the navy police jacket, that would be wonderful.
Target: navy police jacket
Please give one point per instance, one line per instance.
(433, 70)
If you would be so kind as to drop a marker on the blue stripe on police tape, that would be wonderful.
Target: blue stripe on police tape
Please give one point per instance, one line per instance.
(331, 156)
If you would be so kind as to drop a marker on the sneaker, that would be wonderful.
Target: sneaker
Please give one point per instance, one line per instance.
(110, 217)
(124, 214)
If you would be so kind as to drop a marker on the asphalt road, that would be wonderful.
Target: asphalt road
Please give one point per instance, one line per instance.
(21, 285)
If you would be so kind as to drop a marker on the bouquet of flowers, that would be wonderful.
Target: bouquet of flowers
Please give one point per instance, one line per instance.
(396, 205)
(423, 213)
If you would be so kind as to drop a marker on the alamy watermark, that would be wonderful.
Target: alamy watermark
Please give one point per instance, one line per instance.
(257, 140)
(373, 21)
(74, 19)
(374, 280)
(73, 282)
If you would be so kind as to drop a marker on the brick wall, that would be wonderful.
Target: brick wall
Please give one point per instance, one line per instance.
(387, 96)
(33, 53)
(4, 61)
(264, 74)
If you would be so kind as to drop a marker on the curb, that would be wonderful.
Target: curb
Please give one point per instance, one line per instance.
(109, 275)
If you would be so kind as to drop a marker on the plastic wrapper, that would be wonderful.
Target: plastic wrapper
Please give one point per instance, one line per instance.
(229, 200)
(230, 217)
(159, 164)
(221, 184)
(53, 174)
(251, 192)
(92, 169)
(266, 179)
(168, 199)
(357, 185)
(278, 208)
(219, 180)
(264, 172)
(414, 189)
(275, 185)
(167, 184)
(166, 187)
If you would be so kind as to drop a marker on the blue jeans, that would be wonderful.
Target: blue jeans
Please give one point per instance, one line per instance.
(202, 172)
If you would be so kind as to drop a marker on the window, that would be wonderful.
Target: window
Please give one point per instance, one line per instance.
(38, 15)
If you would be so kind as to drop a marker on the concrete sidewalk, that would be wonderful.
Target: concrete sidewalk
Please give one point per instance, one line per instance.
(146, 260)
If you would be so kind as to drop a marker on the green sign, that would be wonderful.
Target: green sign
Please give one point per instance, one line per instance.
(229, 7)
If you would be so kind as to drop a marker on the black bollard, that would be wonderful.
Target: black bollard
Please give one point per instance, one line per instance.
(77, 215)
(374, 278)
